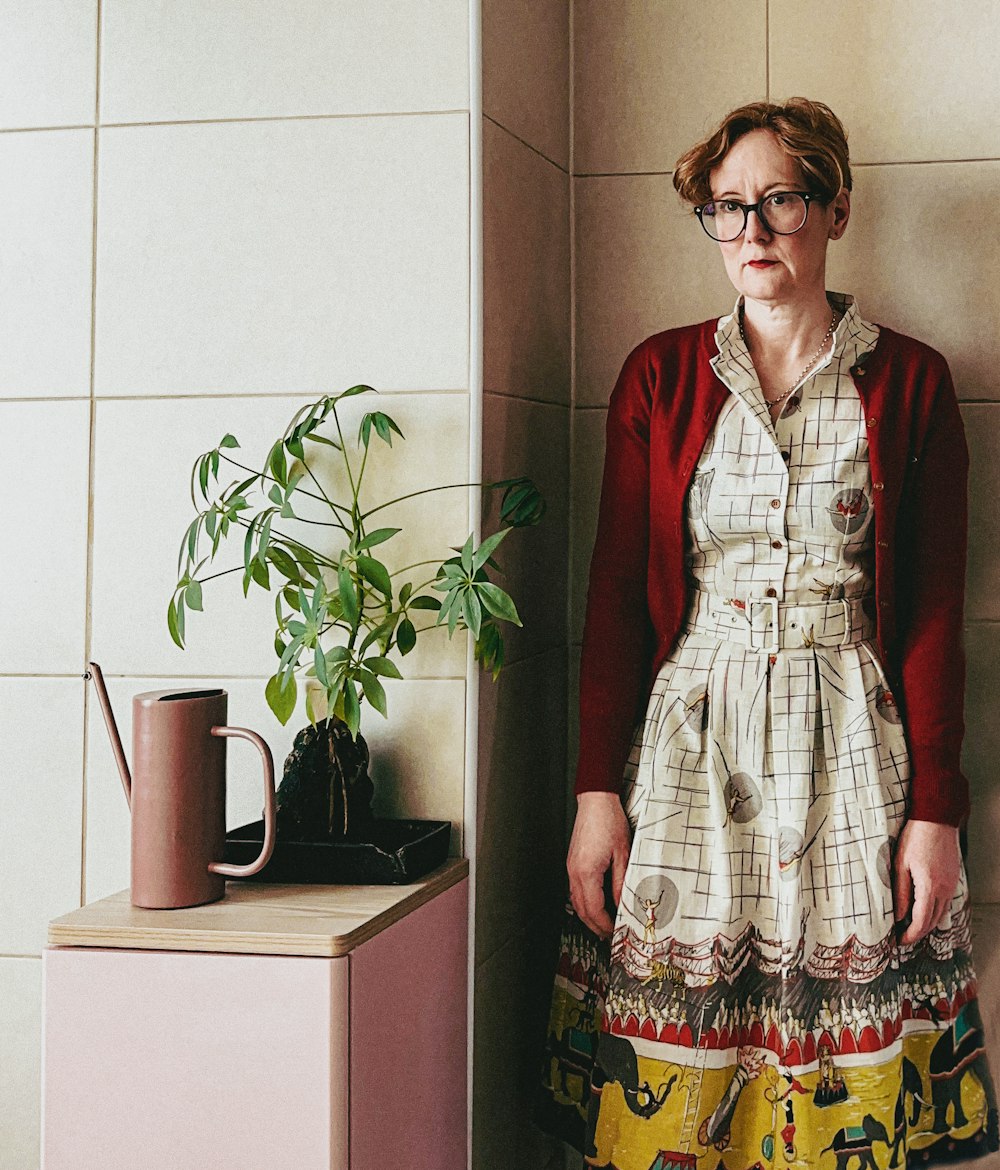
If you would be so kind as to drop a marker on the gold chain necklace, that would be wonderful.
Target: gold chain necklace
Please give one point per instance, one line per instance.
(805, 369)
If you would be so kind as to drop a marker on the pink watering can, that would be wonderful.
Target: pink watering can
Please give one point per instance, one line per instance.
(177, 794)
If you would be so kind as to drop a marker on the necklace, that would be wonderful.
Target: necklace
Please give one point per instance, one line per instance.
(806, 368)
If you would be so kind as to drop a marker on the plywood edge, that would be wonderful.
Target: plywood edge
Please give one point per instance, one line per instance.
(322, 921)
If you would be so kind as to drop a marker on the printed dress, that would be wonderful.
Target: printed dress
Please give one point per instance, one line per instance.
(754, 1008)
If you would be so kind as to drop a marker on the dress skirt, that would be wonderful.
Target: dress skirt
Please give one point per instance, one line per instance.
(754, 1008)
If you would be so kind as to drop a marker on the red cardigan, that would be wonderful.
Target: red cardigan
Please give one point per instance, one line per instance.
(662, 408)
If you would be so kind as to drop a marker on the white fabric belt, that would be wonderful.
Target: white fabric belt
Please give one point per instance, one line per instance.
(765, 623)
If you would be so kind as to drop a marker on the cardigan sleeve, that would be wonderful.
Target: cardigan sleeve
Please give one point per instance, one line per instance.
(932, 656)
(617, 633)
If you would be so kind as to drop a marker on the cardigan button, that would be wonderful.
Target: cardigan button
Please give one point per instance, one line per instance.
(858, 371)
(872, 421)
(884, 604)
(883, 544)
(878, 486)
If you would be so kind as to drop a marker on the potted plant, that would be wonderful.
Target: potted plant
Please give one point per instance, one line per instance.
(342, 620)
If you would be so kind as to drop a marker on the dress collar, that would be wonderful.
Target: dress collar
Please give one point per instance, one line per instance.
(853, 340)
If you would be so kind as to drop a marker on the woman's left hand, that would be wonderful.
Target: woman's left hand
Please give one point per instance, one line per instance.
(927, 866)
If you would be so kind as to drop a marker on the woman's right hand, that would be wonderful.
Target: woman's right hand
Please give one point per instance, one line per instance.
(602, 837)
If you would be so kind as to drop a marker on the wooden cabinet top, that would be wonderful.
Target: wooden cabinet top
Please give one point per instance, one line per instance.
(256, 918)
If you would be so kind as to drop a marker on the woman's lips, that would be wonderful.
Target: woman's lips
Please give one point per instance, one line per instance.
(762, 263)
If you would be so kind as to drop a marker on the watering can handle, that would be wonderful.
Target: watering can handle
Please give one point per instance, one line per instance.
(224, 867)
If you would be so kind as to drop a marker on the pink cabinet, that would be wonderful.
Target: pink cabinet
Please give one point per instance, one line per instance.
(308, 1027)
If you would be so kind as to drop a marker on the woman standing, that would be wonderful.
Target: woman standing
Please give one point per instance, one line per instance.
(771, 683)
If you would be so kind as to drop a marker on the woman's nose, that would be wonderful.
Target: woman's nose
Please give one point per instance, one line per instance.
(756, 228)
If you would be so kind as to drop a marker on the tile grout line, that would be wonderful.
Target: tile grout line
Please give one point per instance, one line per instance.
(92, 445)
(525, 142)
(767, 50)
(338, 117)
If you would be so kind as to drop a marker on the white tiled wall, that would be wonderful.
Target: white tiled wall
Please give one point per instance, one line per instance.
(272, 205)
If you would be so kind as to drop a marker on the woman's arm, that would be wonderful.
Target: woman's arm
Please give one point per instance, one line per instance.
(928, 859)
(617, 643)
(931, 585)
(617, 632)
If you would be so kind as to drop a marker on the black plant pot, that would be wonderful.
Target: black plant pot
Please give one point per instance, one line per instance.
(397, 852)
(326, 829)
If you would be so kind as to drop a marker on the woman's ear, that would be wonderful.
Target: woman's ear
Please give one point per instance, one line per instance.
(841, 207)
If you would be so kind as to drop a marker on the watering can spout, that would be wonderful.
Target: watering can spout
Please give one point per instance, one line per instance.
(109, 719)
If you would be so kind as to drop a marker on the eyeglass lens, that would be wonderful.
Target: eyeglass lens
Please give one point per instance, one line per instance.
(782, 212)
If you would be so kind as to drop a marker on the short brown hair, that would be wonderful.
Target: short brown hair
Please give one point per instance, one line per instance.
(809, 131)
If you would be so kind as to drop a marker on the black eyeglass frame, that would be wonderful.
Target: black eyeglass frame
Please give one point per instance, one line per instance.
(807, 197)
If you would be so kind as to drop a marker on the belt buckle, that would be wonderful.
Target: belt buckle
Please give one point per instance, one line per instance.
(772, 646)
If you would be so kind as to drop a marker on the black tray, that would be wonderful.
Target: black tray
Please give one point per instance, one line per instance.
(399, 851)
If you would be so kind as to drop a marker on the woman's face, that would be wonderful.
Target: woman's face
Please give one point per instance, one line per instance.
(755, 166)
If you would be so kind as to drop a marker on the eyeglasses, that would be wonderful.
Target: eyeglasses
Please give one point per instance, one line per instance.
(781, 212)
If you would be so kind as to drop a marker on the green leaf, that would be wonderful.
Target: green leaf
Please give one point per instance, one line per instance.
(228, 441)
(384, 666)
(265, 539)
(319, 661)
(283, 562)
(406, 636)
(323, 439)
(348, 594)
(172, 625)
(454, 613)
(337, 654)
(382, 631)
(211, 521)
(376, 537)
(352, 709)
(280, 693)
(192, 596)
(472, 610)
(260, 574)
(279, 646)
(365, 430)
(377, 573)
(497, 602)
(405, 591)
(487, 547)
(291, 652)
(425, 602)
(277, 465)
(276, 495)
(203, 475)
(374, 691)
(467, 556)
(294, 446)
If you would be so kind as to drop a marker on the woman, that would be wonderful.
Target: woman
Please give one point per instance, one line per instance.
(769, 789)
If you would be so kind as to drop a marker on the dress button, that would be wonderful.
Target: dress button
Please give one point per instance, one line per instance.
(776, 503)
(872, 421)
(858, 371)
(793, 402)
(883, 603)
(883, 544)
(775, 544)
(878, 486)
(786, 455)
(770, 593)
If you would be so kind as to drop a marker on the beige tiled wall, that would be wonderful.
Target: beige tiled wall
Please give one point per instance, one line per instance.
(526, 414)
(209, 215)
(915, 88)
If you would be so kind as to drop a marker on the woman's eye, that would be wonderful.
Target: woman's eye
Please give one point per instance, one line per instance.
(730, 205)
(776, 200)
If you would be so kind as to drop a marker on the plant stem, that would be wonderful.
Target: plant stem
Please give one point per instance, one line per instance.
(409, 495)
